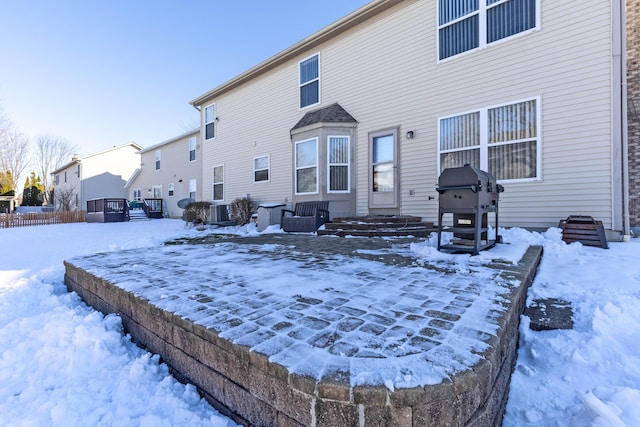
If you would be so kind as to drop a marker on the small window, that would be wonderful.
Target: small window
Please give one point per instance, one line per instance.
(261, 169)
(210, 122)
(170, 188)
(307, 166)
(78, 171)
(192, 149)
(310, 81)
(192, 188)
(465, 25)
(56, 179)
(503, 140)
(137, 194)
(338, 155)
(218, 183)
(158, 158)
(65, 176)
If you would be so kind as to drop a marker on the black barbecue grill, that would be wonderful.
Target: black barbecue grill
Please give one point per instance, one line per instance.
(469, 194)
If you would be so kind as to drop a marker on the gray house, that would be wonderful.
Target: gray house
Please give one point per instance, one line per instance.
(368, 112)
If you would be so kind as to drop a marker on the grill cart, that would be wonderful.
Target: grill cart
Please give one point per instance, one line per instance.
(469, 194)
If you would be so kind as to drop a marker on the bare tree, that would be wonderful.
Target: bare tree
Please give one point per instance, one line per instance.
(51, 152)
(65, 198)
(14, 154)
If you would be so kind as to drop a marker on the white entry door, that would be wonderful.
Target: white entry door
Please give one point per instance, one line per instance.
(383, 169)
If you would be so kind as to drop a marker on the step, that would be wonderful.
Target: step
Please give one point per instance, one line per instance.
(379, 219)
(376, 233)
(375, 226)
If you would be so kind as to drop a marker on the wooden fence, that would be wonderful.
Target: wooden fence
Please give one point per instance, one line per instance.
(40, 218)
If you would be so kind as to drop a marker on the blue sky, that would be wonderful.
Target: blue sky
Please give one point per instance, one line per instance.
(102, 73)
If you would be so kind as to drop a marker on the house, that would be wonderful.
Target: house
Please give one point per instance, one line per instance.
(367, 112)
(171, 171)
(99, 175)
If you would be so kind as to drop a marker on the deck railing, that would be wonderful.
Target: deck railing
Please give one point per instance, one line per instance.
(152, 207)
(30, 219)
(107, 210)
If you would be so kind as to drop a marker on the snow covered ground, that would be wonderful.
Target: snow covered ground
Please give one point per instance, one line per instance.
(64, 364)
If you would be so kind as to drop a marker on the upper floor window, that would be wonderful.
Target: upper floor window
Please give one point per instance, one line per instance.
(170, 189)
(261, 169)
(310, 81)
(158, 158)
(65, 176)
(307, 166)
(56, 179)
(209, 121)
(338, 156)
(218, 183)
(503, 140)
(192, 149)
(468, 24)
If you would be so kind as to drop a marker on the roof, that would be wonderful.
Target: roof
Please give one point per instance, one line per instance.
(169, 141)
(334, 113)
(76, 159)
(365, 13)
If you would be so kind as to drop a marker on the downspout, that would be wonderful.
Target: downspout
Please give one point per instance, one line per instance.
(620, 107)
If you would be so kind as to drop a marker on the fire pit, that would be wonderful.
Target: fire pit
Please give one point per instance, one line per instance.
(469, 194)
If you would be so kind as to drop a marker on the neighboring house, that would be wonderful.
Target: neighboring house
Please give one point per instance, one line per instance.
(100, 175)
(367, 112)
(170, 171)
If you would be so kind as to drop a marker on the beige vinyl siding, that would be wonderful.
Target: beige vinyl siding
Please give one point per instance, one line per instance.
(385, 73)
(174, 167)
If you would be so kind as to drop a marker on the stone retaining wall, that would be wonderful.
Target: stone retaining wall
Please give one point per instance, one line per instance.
(245, 386)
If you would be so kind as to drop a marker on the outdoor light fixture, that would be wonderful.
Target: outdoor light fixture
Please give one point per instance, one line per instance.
(410, 135)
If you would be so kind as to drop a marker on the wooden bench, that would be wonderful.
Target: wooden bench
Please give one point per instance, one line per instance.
(306, 217)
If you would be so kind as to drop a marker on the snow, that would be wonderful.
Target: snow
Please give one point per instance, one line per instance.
(63, 363)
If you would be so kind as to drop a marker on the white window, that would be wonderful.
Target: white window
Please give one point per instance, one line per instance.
(261, 166)
(65, 176)
(158, 158)
(464, 25)
(210, 122)
(170, 188)
(218, 183)
(137, 194)
(192, 189)
(307, 166)
(504, 140)
(192, 149)
(338, 157)
(310, 81)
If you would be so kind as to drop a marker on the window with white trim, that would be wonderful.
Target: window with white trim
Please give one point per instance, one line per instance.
(158, 159)
(338, 164)
(218, 183)
(307, 166)
(192, 149)
(170, 189)
(464, 25)
(137, 193)
(261, 166)
(310, 81)
(503, 140)
(192, 188)
(210, 121)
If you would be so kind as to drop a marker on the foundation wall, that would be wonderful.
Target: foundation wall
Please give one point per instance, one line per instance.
(245, 386)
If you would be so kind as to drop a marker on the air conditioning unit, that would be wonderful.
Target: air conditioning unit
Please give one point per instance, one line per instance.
(219, 214)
